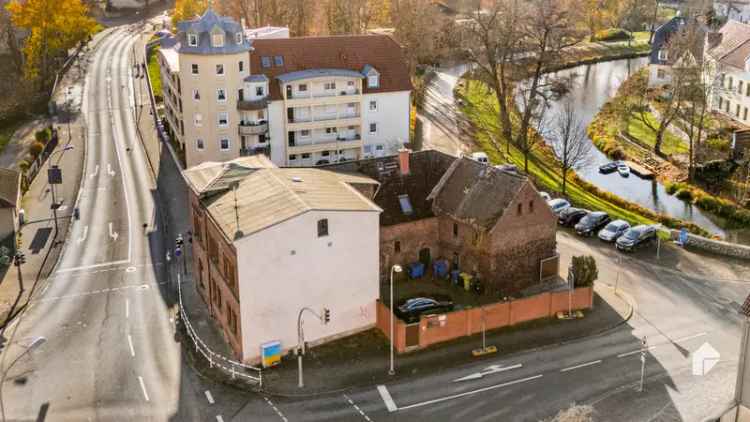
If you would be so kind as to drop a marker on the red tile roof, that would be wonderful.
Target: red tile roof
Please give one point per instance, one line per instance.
(350, 52)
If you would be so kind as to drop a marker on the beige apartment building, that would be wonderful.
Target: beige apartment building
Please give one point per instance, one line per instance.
(231, 92)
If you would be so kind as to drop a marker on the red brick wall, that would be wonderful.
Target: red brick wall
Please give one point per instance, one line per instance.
(413, 237)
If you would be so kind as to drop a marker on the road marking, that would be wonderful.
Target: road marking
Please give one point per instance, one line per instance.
(87, 267)
(209, 397)
(85, 233)
(622, 355)
(96, 171)
(219, 418)
(680, 340)
(468, 393)
(583, 365)
(109, 170)
(130, 270)
(276, 409)
(127, 308)
(112, 234)
(386, 396)
(143, 388)
(132, 350)
(492, 369)
(93, 292)
(357, 408)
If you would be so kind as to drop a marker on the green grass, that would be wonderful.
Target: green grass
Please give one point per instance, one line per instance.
(154, 72)
(671, 143)
(6, 132)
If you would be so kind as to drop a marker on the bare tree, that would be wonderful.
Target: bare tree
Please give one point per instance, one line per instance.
(569, 142)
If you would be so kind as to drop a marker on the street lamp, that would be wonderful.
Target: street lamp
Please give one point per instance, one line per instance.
(394, 269)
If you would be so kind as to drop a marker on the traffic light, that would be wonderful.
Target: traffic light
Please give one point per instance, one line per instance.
(178, 245)
(20, 259)
(326, 315)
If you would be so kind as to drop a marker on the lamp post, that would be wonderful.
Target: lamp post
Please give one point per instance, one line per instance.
(54, 177)
(394, 269)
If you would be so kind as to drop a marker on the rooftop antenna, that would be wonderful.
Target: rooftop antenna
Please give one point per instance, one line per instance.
(238, 234)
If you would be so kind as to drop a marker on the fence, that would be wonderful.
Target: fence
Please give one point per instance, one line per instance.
(443, 327)
(28, 176)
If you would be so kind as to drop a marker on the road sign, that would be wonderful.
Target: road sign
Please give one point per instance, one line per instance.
(683, 236)
(54, 176)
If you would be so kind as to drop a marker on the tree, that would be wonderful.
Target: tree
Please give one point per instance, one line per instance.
(54, 27)
(575, 413)
(355, 16)
(187, 9)
(569, 142)
(421, 29)
(584, 270)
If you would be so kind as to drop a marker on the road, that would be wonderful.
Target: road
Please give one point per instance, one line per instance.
(439, 116)
(110, 352)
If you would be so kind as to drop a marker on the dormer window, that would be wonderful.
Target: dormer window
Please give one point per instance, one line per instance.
(192, 40)
(217, 40)
(238, 38)
(373, 81)
(663, 55)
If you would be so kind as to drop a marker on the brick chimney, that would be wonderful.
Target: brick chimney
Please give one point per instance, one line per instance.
(403, 161)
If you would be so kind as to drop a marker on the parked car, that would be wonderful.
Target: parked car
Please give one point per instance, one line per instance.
(607, 168)
(571, 216)
(636, 237)
(623, 169)
(481, 157)
(613, 230)
(413, 308)
(545, 196)
(558, 205)
(592, 223)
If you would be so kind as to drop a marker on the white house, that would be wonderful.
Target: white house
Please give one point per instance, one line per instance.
(269, 241)
(738, 10)
(728, 54)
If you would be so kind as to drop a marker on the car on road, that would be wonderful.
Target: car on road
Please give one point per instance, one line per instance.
(481, 157)
(569, 217)
(411, 309)
(558, 205)
(636, 237)
(545, 196)
(623, 169)
(607, 168)
(613, 230)
(592, 223)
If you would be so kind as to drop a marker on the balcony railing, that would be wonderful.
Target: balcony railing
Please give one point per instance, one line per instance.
(252, 105)
(244, 152)
(251, 128)
(325, 140)
(325, 94)
(324, 118)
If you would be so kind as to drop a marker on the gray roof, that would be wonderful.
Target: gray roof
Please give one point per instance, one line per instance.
(367, 68)
(476, 194)
(316, 73)
(256, 78)
(203, 26)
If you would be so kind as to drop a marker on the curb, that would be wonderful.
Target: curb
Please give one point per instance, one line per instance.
(606, 330)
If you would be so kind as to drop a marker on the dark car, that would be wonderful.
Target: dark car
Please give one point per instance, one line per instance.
(592, 223)
(614, 230)
(413, 308)
(607, 168)
(636, 237)
(569, 217)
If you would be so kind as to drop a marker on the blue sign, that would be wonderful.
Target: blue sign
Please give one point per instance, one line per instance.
(683, 236)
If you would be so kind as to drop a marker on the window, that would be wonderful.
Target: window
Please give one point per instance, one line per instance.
(731, 83)
(373, 81)
(221, 95)
(305, 156)
(224, 144)
(292, 157)
(196, 95)
(661, 74)
(219, 69)
(739, 87)
(238, 40)
(304, 133)
(265, 61)
(663, 55)
(325, 153)
(241, 65)
(747, 90)
(261, 114)
(373, 128)
(373, 105)
(329, 86)
(737, 111)
(405, 203)
(744, 114)
(241, 94)
(217, 40)
(531, 206)
(198, 120)
(455, 230)
(397, 246)
(278, 61)
(302, 87)
(323, 227)
(199, 144)
(330, 130)
(379, 147)
(193, 40)
(721, 102)
(728, 106)
(223, 118)
(195, 69)
(259, 91)
(350, 83)
(519, 209)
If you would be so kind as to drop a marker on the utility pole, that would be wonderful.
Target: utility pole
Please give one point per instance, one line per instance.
(571, 281)
(324, 319)
(179, 242)
(643, 362)
(20, 258)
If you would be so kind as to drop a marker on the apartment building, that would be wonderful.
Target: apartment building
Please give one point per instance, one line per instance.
(738, 10)
(270, 241)
(728, 56)
(301, 101)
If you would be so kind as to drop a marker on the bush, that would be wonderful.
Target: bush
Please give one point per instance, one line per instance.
(36, 148)
(611, 34)
(685, 194)
(718, 144)
(43, 136)
(24, 165)
(584, 271)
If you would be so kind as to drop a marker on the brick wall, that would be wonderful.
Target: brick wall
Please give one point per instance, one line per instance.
(444, 327)
(411, 237)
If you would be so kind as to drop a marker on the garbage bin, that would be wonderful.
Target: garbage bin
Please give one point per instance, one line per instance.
(454, 277)
(416, 270)
(467, 280)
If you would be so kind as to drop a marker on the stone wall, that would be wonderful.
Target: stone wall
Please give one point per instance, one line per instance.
(715, 246)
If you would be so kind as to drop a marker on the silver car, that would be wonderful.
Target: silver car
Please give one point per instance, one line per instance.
(558, 205)
(613, 230)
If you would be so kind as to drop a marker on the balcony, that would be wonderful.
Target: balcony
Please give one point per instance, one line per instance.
(316, 145)
(244, 152)
(323, 121)
(333, 97)
(252, 105)
(251, 128)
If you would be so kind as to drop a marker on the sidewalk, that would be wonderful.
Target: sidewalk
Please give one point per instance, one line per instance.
(38, 240)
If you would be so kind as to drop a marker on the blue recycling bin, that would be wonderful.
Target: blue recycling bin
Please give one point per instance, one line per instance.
(440, 268)
(416, 270)
(455, 276)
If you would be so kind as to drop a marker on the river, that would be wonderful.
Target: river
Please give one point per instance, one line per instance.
(594, 85)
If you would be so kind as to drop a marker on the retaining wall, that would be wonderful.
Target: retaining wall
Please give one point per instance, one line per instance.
(714, 246)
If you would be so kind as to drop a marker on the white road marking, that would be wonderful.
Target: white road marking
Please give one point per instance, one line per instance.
(622, 355)
(113, 234)
(93, 292)
(130, 343)
(87, 267)
(219, 418)
(84, 234)
(680, 340)
(109, 170)
(96, 171)
(127, 308)
(44, 290)
(276, 409)
(357, 408)
(387, 399)
(583, 365)
(468, 393)
(143, 388)
(209, 397)
(492, 369)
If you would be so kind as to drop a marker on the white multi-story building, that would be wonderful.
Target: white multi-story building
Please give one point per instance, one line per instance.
(738, 10)
(301, 101)
(728, 56)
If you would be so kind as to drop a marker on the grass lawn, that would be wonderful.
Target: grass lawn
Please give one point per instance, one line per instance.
(671, 143)
(154, 73)
(6, 132)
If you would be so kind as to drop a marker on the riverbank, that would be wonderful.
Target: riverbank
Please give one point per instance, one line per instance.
(592, 52)
(481, 110)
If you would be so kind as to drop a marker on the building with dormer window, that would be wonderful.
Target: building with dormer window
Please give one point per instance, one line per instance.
(301, 101)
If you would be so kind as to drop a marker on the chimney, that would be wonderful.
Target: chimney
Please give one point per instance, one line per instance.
(403, 161)
(242, 23)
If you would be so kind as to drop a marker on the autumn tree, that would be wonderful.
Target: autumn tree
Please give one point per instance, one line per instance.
(53, 26)
(421, 29)
(569, 142)
(188, 9)
(355, 16)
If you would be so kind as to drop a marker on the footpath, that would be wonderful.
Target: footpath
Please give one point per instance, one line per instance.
(38, 239)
